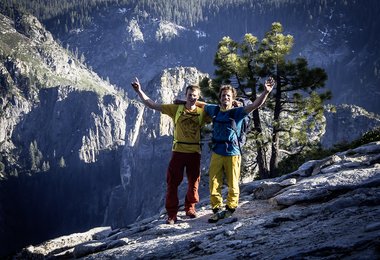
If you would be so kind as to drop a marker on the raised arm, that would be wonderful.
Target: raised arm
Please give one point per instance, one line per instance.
(269, 84)
(144, 98)
(198, 103)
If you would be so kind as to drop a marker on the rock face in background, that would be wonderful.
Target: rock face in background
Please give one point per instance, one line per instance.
(346, 123)
(62, 130)
(326, 209)
(148, 150)
(121, 45)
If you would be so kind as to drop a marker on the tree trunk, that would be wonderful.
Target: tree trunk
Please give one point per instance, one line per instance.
(275, 134)
(260, 158)
(274, 154)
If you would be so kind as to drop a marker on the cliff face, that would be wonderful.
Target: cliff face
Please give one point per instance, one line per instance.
(62, 130)
(40, 80)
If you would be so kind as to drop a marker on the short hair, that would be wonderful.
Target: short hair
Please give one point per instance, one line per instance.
(193, 88)
(227, 87)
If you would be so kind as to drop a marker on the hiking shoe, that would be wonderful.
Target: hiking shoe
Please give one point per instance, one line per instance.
(216, 210)
(171, 221)
(191, 213)
(229, 212)
(221, 215)
(218, 215)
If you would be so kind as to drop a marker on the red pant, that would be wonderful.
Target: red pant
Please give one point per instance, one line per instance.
(174, 177)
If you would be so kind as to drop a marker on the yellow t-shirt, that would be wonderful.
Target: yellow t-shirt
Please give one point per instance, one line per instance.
(187, 130)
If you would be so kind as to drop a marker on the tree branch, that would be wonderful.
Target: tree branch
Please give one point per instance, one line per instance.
(298, 150)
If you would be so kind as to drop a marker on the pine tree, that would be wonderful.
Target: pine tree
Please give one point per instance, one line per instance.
(296, 106)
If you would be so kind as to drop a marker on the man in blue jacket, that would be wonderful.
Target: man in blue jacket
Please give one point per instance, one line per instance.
(226, 155)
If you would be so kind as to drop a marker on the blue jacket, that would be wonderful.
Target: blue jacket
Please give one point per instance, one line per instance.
(225, 134)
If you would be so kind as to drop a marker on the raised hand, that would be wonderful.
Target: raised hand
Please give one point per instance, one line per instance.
(269, 84)
(136, 84)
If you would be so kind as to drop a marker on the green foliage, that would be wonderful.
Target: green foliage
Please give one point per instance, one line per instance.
(293, 162)
(209, 90)
(275, 46)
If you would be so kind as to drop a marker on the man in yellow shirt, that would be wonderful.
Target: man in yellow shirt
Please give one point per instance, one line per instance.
(186, 149)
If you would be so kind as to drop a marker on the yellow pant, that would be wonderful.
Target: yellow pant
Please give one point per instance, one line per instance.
(230, 166)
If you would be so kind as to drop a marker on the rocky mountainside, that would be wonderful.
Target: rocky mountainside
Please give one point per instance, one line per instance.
(121, 42)
(327, 209)
(38, 77)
